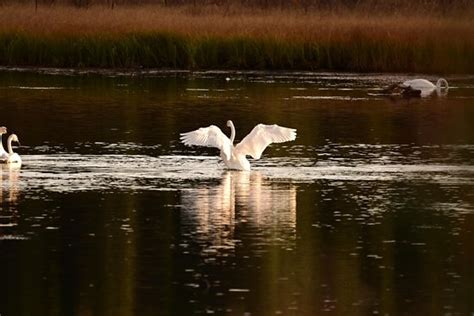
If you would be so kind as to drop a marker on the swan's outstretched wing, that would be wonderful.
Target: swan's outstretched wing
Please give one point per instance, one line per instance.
(263, 135)
(211, 136)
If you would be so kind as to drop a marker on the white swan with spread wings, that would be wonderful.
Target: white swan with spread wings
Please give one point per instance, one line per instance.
(235, 157)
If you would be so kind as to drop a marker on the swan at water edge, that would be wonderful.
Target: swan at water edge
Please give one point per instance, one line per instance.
(3, 153)
(12, 157)
(253, 144)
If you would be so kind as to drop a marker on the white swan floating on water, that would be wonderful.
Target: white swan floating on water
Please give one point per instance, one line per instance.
(10, 157)
(421, 84)
(252, 145)
(426, 87)
(419, 88)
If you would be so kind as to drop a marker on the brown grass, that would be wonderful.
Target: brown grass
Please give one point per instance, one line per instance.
(291, 25)
(439, 36)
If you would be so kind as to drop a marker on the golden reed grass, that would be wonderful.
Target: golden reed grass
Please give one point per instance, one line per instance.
(271, 39)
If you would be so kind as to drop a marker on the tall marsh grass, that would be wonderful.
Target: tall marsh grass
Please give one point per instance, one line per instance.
(154, 36)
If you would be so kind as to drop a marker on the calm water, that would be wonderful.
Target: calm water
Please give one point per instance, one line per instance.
(369, 211)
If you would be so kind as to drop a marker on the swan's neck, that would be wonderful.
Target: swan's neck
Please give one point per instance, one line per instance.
(232, 132)
(441, 84)
(9, 144)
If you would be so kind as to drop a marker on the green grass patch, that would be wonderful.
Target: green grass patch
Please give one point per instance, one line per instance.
(171, 51)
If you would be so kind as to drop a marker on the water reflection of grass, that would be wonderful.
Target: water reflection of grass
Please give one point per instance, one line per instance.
(176, 38)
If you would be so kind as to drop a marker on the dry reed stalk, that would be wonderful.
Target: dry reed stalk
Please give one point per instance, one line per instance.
(277, 24)
(347, 40)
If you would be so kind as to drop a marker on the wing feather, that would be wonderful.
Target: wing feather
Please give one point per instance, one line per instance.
(211, 136)
(263, 135)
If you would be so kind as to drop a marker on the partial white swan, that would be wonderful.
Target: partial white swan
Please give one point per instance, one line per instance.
(12, 156)
(253, 144)
(426, 87)
(3, 153)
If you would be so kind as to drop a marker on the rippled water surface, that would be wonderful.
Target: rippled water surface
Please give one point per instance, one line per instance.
(369, 211)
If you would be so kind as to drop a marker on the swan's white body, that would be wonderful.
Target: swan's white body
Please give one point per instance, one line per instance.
(235, 157)
(426, 87)
(11, 157)
(3, 153)
(14, 159)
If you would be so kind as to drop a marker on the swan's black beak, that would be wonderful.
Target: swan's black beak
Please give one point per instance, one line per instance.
(18, 143)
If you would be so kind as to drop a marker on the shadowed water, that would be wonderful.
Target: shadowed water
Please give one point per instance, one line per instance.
(369, 211)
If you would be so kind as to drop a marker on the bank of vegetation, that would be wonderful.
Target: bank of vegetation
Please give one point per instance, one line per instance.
(432, 39)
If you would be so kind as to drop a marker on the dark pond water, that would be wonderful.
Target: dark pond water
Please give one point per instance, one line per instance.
(369, 211)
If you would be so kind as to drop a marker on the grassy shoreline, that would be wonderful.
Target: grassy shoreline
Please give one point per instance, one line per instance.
(156, 37)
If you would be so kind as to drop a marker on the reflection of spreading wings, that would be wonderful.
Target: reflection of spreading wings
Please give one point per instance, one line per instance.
(242, 197)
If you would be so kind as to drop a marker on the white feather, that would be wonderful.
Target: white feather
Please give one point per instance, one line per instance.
(263, 135)
(211, 136)
(252, 145)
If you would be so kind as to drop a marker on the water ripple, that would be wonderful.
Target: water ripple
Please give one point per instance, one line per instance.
(73, 172)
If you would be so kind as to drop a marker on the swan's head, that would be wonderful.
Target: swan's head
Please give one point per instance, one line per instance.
(14, 138)
(442, 84)
(3, 130)
(229, 123)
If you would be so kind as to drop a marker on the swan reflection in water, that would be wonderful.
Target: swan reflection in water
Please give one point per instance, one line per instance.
(246, 200)
(9, 192)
